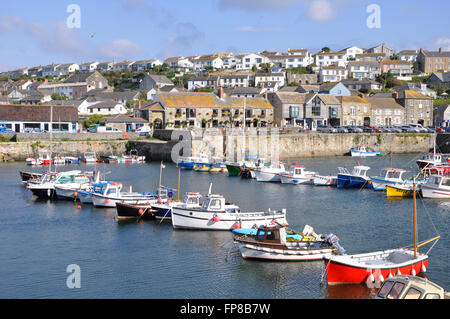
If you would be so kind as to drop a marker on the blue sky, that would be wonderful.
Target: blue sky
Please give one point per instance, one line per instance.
(36, 33)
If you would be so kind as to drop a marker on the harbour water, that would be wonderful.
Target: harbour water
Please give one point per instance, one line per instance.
(148, 259)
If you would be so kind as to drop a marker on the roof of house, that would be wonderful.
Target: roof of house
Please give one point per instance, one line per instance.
(410, 94)
(408, 52)
(194, 99)
(291, 97)
(443, 77)
(121, 118)
(160, 79)
(104, 105)
(384, 103)
(37, 113)
(78, 77)
(331, 53)
(439, 53)
(352, 99)
(326, 98)
(127, 95)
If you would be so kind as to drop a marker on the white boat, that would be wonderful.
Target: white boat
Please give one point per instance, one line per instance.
(73, 191)
(297, 175)
(325, 180)
(272, 243)
(43, 159)
(411, 287)
(216, 214)
(163, 211)
(90, 158)
(388, 176)
(114, 193)
(363, 151)
(59, 160)
(45, 187)
(269, 173)
(438, 186)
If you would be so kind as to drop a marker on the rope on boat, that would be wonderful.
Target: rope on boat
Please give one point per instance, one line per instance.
(324, 271)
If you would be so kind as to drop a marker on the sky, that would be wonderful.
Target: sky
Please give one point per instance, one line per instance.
(42, 32)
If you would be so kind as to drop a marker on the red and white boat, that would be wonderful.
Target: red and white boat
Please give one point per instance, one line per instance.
(377, 266)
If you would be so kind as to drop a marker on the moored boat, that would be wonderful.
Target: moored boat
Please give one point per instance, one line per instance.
(272, 243)
(438, 186)
(114, 192)
(90, 158)
(269, 173)
(216, 214)
(357, 178)
(363, 151)
(297, 175)
(399, 190)
(410, 287)
(388, 176)
(325, 180)
(27, 176)
(45, 186)
(163, 211)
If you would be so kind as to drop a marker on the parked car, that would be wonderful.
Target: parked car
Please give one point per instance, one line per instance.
(341, 129)
(108, 129)
(395, 129)
(419, 127)
(440, 130)
(326, 129)
(354, 129)
(144, 130)
(431, 129)
(376, 129)
(368, 129)
(409, 129)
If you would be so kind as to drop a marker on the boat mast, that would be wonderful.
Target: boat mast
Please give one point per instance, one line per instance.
(245, 102)
(51, 138)
(414, 219)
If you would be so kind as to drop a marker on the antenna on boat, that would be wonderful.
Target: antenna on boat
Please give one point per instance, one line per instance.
(209, 191)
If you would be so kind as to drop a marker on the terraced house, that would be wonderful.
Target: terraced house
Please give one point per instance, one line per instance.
(418, 107)
(204, 110)
(355, 110)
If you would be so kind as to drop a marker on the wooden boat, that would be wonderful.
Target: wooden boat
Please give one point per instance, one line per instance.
(363, 151)
(410, 287)
(216, 214)
(388, 176)
(356, 179)
(272, 243)
(438, 186)
(325, 180)
(269, 173)
(297, 175)
(376, 266)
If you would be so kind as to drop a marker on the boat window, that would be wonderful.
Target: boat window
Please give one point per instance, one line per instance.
(65, 179)
(432, 296)
(260, 235)
(382, 293)
(436, 180)
(446, 182)
(214, 204)
(112, 190)
(413, 293)
(396, 290)
(275, 236)
(393, 175)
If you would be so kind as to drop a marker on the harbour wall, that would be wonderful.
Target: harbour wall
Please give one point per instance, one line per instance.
(284, 145)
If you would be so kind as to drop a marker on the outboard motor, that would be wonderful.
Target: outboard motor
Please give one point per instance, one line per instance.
(333, 240)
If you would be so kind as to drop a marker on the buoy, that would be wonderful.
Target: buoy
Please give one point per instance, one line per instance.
(140, 211)
(216, 218)
(78, 207)
(236, 225)
(423, 268)
(159, 201)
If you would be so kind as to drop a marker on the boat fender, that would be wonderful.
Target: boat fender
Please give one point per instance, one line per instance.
(423, 268)
(216, 218)
(236, 225)
(140, 211)
(398, 272)
(413, 271)
(371, 278)
(75, 194)
(79, 207)
(380, 278)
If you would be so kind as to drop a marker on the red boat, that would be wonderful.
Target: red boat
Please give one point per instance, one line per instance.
(430, 159)
(377, 266)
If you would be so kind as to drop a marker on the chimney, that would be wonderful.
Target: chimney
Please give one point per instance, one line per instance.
(265, 95)
(440, 50)
(221, 92)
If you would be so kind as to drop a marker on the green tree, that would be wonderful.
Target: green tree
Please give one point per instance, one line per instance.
(92, 120)
(326, 49)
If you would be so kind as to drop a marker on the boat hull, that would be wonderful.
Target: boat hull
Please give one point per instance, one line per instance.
(394, 191)
(325, 180)
(249, 251)
(233, 170)
(339, 271)
(433, 192)
(186, 165)
(45, 193)
(197, 219)
(295, 180)
(356, 153)
(130, 211)
(27, 176)
(85, 197)
(348, 181)
(266, 177)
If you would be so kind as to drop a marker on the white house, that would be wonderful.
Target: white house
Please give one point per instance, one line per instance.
(248, 61)
(105, 66)
(179, 63)
(329, 58)
(332, 73)
(279, 78)
(123, 66)
(49, 70)
(408, 55)
(88, 66)
(144, 65)
(102, 108)
(209, 60)
(235, 80)
(351, 52)
(66, 69)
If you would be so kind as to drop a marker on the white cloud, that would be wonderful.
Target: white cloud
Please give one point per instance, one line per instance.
(443, 43)
(118, 49)
(320, 10)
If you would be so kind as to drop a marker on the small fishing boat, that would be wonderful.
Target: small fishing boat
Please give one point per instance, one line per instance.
(59, 160)
(90, 158)
(45, 186)
(357, 178)
(114, 192)
(202, 167)
(216, 214)
(430, 159)
(438, 186)
(297, 175)
(135, 157)
(72, 160)
(43, 159)
(271, 242)
(217, 166)
(400, 190)
(376, 266)
(269, 173)
(363, 151)
(163, 211)
(325, 180)
(189, 162)
(388, 176)
(410, 287)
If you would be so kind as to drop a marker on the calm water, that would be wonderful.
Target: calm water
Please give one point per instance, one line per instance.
(39, 239)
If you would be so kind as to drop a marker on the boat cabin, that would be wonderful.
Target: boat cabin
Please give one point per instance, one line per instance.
(192, 198)
(357, 171)
(297, 170)
(439, 181)
(410, 287)
(109, 188)
(271, 234)
(432, 157)
(74, 177)
(217, 203)
(393, 174)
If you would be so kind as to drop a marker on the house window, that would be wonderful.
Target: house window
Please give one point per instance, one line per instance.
(315, 110)
(293, 111)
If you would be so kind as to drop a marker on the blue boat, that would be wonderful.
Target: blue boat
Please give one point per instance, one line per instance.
(356, 179)
(189, 162)
(363, 151)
